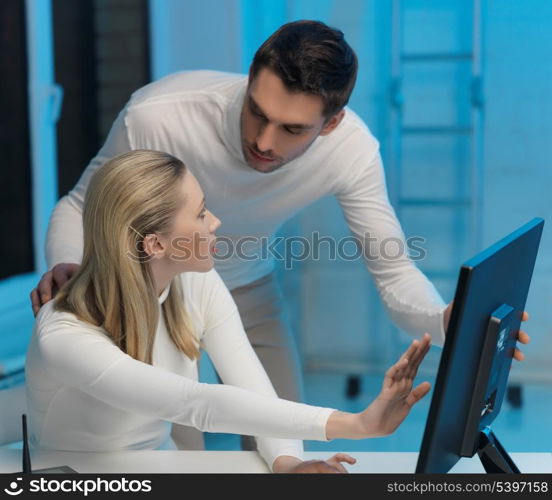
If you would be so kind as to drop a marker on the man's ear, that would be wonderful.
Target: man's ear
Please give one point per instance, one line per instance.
(154, 246)
(332, 123)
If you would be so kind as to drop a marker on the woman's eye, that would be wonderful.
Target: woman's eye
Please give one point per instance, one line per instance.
(202, 214)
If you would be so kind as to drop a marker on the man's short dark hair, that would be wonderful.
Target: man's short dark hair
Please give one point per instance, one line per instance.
(310, 57)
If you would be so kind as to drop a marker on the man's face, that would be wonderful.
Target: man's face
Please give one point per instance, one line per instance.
(277, 125)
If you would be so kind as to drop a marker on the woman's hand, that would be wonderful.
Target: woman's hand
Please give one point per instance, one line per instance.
(392, 405)
(397, 397)
(292, 465)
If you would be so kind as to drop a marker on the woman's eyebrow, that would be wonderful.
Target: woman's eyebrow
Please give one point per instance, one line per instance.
(201, 205)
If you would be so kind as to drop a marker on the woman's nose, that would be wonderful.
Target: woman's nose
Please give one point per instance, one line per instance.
(215, 223)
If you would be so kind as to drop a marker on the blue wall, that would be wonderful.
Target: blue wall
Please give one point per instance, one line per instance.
(517, 54)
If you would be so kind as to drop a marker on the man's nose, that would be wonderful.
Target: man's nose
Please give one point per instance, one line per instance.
(266, 138)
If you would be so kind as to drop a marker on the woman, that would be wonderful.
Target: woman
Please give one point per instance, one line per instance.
(113, 358)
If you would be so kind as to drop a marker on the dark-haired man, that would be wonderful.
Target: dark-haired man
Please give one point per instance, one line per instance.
(263, 147)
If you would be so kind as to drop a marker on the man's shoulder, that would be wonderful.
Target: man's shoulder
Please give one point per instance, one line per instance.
(189, 86)
(353, 137)
(354, 122)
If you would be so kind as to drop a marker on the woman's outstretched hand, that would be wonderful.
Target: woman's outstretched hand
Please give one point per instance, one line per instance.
(393, 403)
(397, 397)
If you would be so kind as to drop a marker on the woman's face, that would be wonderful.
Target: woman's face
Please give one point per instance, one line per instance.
(190, 244)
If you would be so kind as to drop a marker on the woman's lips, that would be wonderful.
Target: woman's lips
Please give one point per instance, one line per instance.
(212, 247)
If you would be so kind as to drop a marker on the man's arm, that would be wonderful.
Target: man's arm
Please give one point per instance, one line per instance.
(64, 240)
(410, 299)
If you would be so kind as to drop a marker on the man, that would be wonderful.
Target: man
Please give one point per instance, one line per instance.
(263, 148)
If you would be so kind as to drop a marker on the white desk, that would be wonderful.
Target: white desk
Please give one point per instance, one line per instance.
(238, 462)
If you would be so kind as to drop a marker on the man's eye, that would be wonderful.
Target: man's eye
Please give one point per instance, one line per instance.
(255, 112)
(294, 132)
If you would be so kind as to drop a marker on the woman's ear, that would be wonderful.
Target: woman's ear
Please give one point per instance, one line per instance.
(154, 246)
(332, 123)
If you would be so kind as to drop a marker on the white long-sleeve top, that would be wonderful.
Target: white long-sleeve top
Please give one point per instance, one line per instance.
(85, 394)
(195, 116)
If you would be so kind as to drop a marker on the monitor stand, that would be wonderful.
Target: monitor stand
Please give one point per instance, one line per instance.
(493, 456)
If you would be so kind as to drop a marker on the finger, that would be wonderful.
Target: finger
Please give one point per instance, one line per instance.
(418, 393)
(60, 277)
(322, 467)
(523, 337)
(420, 353)
(518, 355)
(35, 301)
(414, 365)
(402, 363)
(525, 316)
(418, 356)
(342, 457)
(339, 467)
(394, 369)
(395, 372)
(45, 287)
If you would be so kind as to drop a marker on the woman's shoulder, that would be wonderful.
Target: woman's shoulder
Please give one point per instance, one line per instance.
(51, 320)
(206, 294)
(201, 283)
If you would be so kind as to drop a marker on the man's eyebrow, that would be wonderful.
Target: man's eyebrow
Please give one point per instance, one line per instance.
(253, 105)
(256, 108)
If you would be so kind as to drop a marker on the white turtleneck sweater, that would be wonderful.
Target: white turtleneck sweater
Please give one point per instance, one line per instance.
(85, 394)
(195, 116)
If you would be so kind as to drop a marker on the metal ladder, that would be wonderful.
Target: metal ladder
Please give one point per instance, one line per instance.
(462, 212)
(402, 61)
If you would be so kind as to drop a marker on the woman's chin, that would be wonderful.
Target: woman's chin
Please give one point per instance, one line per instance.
(204, 266)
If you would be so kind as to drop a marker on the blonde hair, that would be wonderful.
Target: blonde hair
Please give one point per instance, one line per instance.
(133, 194)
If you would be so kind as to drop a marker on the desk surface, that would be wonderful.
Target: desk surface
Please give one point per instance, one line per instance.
(238, 462)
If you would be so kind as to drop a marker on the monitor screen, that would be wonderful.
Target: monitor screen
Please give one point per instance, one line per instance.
(488, 304)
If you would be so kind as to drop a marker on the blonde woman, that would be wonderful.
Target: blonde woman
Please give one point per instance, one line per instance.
(113, 358)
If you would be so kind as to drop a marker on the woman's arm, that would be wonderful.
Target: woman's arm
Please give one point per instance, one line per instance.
(237, 364)
(90, 362)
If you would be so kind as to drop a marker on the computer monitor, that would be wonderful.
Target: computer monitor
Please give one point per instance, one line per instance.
(473, 371)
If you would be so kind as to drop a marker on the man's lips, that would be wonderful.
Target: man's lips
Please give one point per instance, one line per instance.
(258, 156)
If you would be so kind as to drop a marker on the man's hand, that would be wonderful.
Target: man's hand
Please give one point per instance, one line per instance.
(50, 283)
(292, 465)
(523, 338)
(397, 397)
